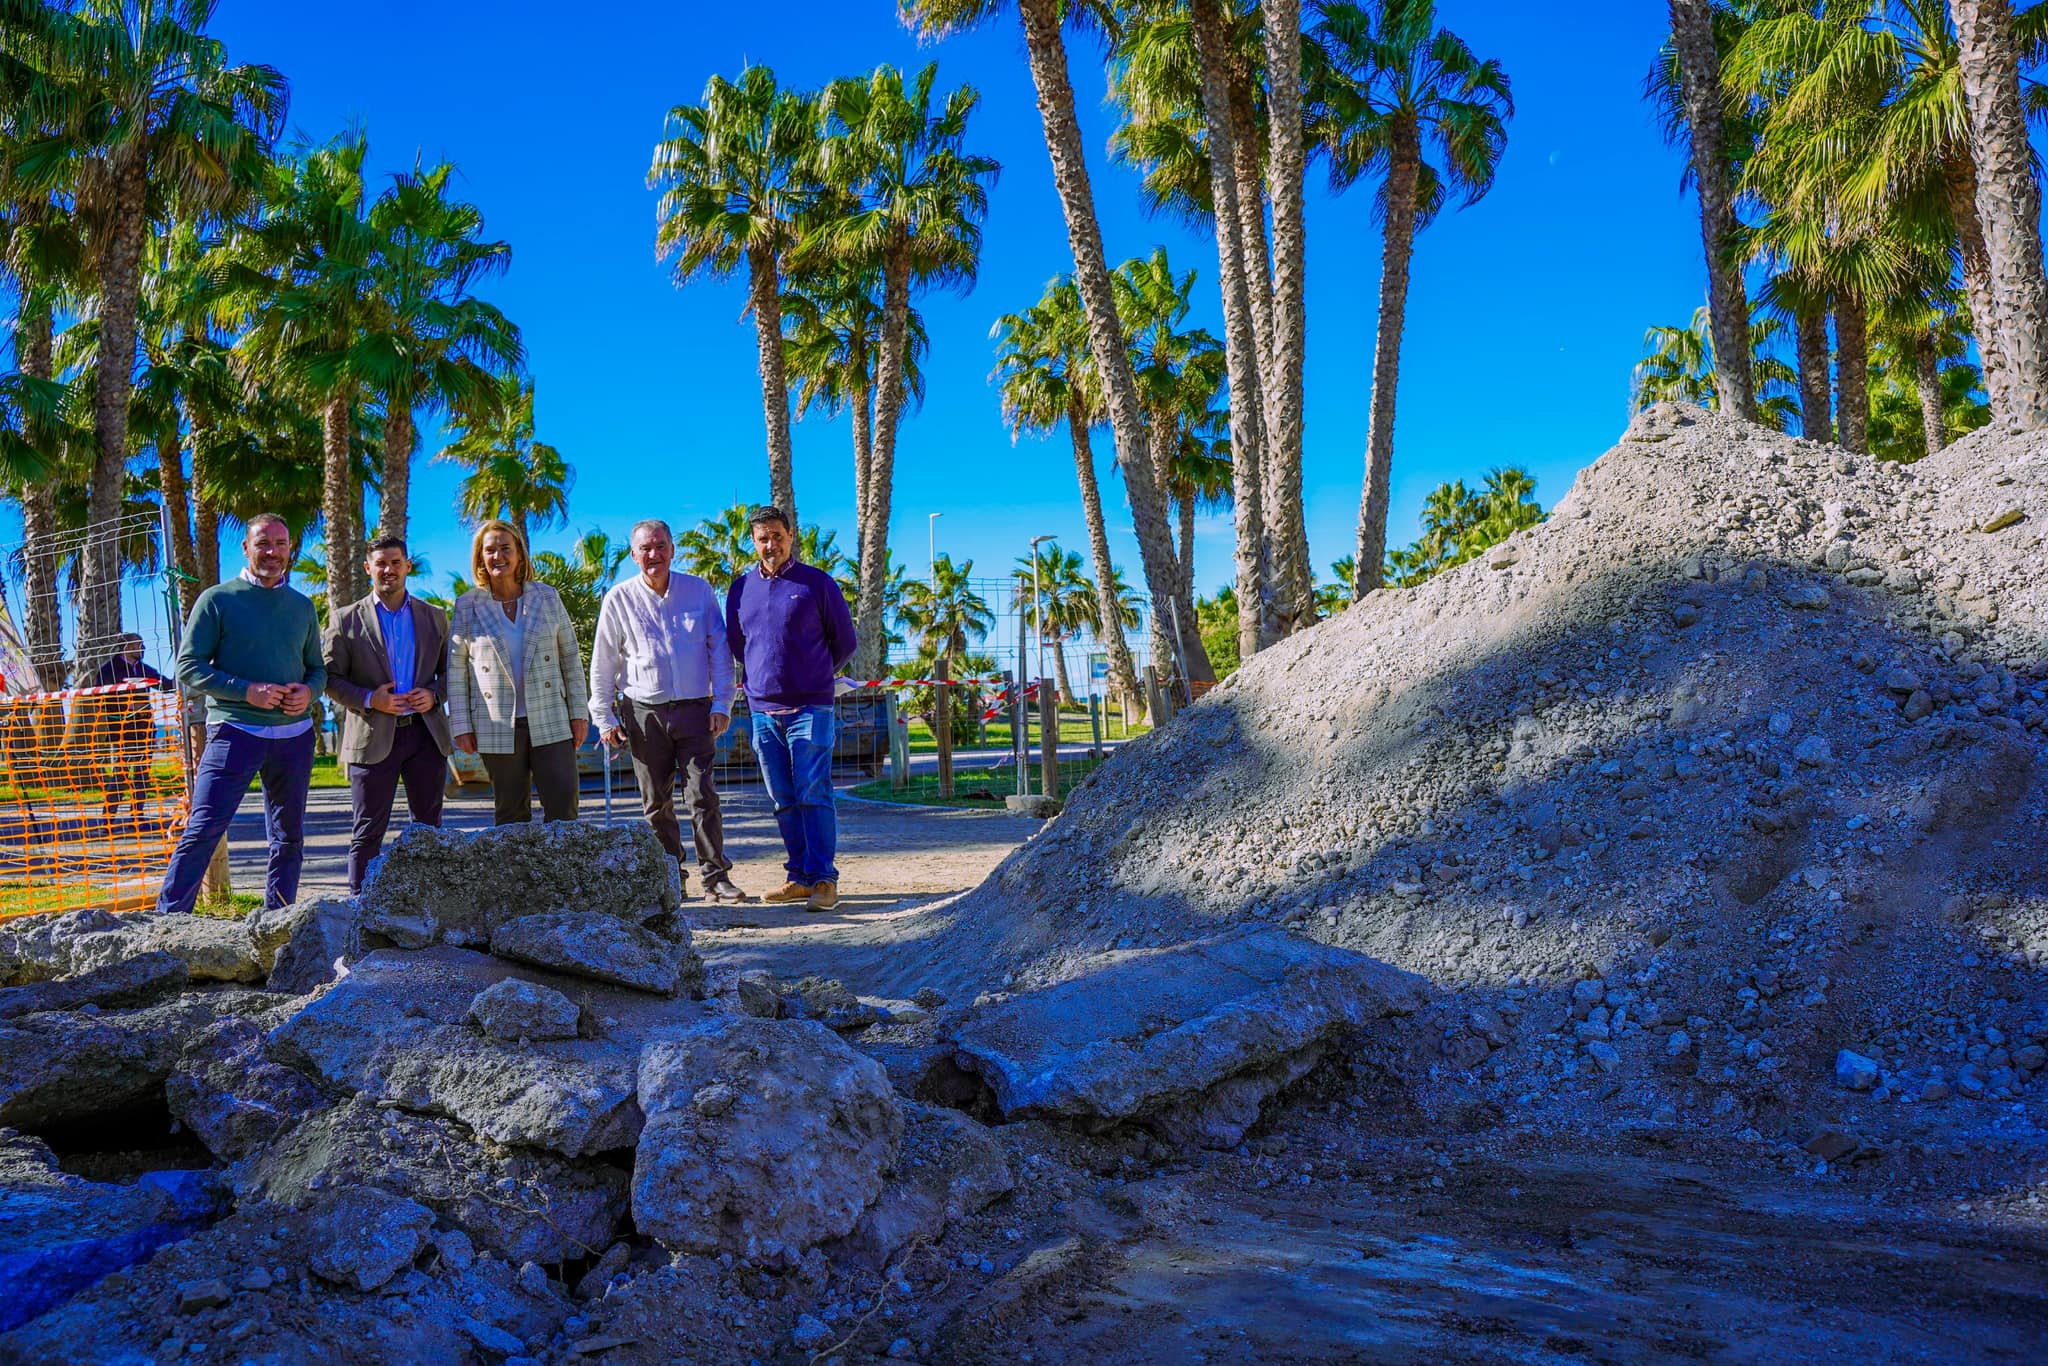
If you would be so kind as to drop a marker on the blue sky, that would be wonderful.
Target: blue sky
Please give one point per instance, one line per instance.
(1526, 311)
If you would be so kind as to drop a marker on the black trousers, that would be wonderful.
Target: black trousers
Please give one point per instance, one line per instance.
(550, 768)
(414, 760)
(670, 740)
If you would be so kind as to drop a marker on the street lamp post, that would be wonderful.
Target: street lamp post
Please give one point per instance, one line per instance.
(1038, 617)
(931, 526)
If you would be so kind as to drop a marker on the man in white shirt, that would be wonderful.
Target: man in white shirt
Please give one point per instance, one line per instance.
(661, 684)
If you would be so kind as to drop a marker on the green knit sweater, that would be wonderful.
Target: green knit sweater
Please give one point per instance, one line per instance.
(242, 633)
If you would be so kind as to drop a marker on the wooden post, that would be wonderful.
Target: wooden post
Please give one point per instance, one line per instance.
(942, 730)
(1094, 726)
(1049, 737)
(899, 746)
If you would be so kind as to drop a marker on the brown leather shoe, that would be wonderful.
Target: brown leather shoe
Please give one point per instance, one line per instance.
(824, 895)
(791, 891)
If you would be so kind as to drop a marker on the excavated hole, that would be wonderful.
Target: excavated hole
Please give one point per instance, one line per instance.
(121, 1144)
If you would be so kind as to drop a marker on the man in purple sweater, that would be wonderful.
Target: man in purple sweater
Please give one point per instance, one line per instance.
(789, 627)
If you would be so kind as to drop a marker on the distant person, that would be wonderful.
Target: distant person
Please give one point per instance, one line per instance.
(660, 652)
(252, 648)
(515, 680)
(128, 724)
(789, 626)
(387, 666)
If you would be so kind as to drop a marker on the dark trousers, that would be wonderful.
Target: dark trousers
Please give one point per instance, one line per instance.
(414, 760)
(670, 740)
(550, 769)
(231, 759)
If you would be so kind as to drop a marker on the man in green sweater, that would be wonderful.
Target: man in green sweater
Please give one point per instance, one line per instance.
(252, 648)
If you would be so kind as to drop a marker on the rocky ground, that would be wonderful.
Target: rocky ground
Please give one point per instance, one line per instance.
(1631, 946)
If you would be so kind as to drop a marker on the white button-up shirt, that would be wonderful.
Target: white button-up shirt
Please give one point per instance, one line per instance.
(659, 647)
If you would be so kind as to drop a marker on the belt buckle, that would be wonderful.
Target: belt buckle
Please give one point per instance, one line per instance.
(405, 720)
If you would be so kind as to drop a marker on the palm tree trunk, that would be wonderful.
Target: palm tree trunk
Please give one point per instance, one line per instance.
(890, 362)
(170, 464)
(358, 577)
(205, 512)
(41, 619)
(1404, 173)
(1962, 202)
(1810, 333)
(1927, 378)
(764, 278)
(2008, 201)
(1255, 626)
(120, 283)
(518, 520)
(1285, 168)
(1201, 669)
(1699, 78)
(1852, 372)
(393, 497)
(1059, 669)
(1123, 672)
(1048, 56)
(1168, 648)
(337, 487)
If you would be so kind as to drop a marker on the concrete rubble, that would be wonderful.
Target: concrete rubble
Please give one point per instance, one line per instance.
(1695, 839)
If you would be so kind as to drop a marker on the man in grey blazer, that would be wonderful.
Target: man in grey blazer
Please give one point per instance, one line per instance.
(387, 666)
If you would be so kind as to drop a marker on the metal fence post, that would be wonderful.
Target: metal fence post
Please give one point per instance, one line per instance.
(1020, 735)
(1094, 726)
(1049, 737)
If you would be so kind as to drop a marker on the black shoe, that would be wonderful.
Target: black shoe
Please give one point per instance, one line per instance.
(723, 890)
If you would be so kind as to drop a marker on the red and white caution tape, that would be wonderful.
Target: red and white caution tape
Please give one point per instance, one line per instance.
(97, 690)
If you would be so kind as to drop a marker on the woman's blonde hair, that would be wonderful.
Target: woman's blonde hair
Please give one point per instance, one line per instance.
(522, 573)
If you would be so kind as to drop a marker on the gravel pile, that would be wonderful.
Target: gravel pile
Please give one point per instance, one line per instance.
(1720, 789)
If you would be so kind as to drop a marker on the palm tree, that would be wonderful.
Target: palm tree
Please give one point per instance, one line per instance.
(734, 174)
(1678, 366)
(1180, 374)
(434, 345)
(142, 116)
(302, 277)
(1052, 587)
(1044, 373)
(42, 258)
(511, 475)
(1045, 49)
(917, 198)
(2008, 201)
(1699, 78)
(944, 612)
(1286, 166)
(1335, 596)
(720, 548)
(1399, 83)
(581, 577)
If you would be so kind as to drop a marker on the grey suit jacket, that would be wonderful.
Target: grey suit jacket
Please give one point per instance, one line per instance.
(357, 666)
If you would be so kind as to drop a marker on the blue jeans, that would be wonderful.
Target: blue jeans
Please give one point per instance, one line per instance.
(231, 759)
(796, 764)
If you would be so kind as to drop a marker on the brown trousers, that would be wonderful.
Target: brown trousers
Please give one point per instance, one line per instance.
(670, 740)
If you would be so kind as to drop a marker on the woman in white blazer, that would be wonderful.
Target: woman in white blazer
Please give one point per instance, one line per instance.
(516, 691)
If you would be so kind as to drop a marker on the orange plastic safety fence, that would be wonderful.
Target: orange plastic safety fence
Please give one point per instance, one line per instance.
(92, 796)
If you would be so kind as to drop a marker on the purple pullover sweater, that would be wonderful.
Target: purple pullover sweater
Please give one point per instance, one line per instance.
(791, 633)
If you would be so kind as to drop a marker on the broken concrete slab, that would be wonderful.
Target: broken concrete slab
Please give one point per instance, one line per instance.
(516, 1009)
(231, 1095)
(396, 1029)
(366, 1236)
(603, 949)
(131, 982)
(71, 1065)
(37, 948)
(763, 1138)
(298, 945)
(948, 1168)
(434, 885)
(60, 1234)
(211, 949)
(522, 1204)
(1190, 1040)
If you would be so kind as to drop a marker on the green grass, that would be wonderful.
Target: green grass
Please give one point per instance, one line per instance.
(234, 906)
(923, 789)
(327, 771)
(1073, 731)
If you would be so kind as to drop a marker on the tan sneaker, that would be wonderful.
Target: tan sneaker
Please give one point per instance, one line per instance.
(824, 896)
(791, 891)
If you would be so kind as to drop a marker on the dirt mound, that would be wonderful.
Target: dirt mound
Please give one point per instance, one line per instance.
(1733, 764)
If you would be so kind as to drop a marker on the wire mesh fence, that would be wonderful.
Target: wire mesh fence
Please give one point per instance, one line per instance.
(93, 740)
